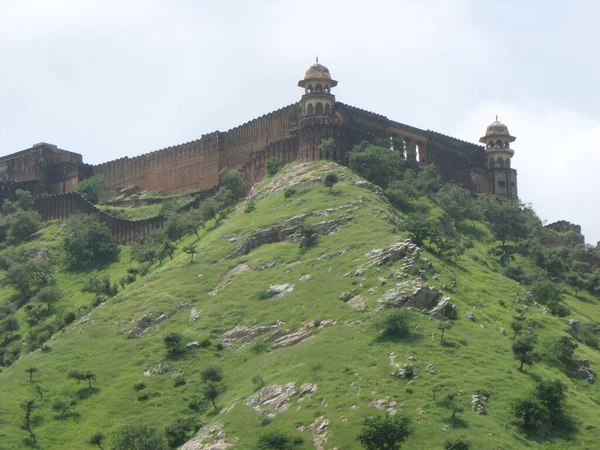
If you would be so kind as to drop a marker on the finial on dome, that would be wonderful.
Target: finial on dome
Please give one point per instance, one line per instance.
(317, 60)
(496, 117)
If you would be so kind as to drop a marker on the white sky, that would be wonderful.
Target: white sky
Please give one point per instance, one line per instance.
(111, 78)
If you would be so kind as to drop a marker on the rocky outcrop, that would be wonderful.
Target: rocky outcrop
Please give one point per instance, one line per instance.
(210, 437)
(144, 322)
(281, 289)
(423, 297)
(444, 309)
(228, 276)
(291, 339)
(585, 370)
(478, 401)
(272, 399)
(563, 234)
(157, 370)
(386, 404)
(242, 334)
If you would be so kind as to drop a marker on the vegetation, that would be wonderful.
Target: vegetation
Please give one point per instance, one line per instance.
(88, 243)
(384, 432)
(93, 189)
(273, 165)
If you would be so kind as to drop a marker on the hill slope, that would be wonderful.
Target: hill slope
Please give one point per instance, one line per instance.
(292, 327)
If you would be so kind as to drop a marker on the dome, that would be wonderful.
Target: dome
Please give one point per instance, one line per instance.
(496, 128)
(317, 71)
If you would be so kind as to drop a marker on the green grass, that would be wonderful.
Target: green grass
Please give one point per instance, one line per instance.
(349, 361)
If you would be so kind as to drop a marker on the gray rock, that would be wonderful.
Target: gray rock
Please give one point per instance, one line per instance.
(575, 326)
(346, 296)
(194, 314)
(421, 297)
(444, 309)
(357, 302)
(306, 277)
(471, 316)
(503, 332)
(157, 370)
(382, 281)
(281, 289)
(291, 339)
(272, 399)
(193, 344)
(306, 391)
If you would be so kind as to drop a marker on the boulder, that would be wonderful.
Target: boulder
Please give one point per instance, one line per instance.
(444, 309)
(575, 326)
(193, 344)
(420, 297)
(471, 316)
(281, 289)
(357, 302)
(291, 339)
(157, 370)
(273, 399)
(306, 391)
(306, 277)
(194, 314)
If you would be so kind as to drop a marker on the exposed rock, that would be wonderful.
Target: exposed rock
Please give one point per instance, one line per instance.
(575, 326)
(503, 332)
(471, 316)
(408, 295)
(243, 334)
(161, 318)
(430, 369)
(142, 327)
(444, 309)
(357, 302)
(194, 314)
(281, 289)
(228, 276)
(268, 265)
(479, 399)
(176, 375)
(406, 371)
(157, 370)
(85, 320)
(193, 344)
(386, 404)
(585, 370)
(306, 391)
(346, 296)
(291, 339)
(382, 281)
(306, 277)
(215, 436)
(319, 431)
(273, 399)
(370, 186)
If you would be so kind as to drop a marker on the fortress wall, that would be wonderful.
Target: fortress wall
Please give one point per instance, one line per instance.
(255, 167)
(193, 165)
(455, 159)
(259, 133)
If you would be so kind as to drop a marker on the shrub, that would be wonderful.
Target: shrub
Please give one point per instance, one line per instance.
(21, 225)
(180, 431)
(289, 192)
(198, 404)
(544, 409)
(212, 373)
(88, 242)
(232, 181)
(395, 323)
(139, 437)
(377, 164)
(459, 444)
(308, 235)
(330, 180)
(277, 440)
(93, 188)
(139, 386)
(173, 343)
(269, 293)
(384, 432)
(250, 206)
(179, 381)
(258, 382)
(273, 165)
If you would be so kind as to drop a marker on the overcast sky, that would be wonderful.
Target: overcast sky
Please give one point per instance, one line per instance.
(119, 78)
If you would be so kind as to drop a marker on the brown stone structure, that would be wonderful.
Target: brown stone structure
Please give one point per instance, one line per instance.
(290, 133)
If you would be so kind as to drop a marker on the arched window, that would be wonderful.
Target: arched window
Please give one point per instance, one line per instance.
(310, 88)
(492, 164)
(327, 109)
(506, 144)
(318, 88)
(500, 163)
(309, 109)
(327, 88)
(491, 144)
(498, 143)
(319, 108)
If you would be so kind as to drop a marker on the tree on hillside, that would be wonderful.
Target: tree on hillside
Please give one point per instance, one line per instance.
(82, 376)
(273, 165)
(428, 180)
(523, 349)
(173, 343)
(21, 225)
(330, 180)
(101, 287)
(457, 202)
(384, 432)
(459, 444)
(326, 148)
(508, 221)
(8, 326)
(93, 188)
(28, 406)
(420, 228)
(190, 250)
(544, 409)
(139, 437)
(97, 439)
(31, 371)
(443, 326)
(88, 242)
(23, 201)
(208, 209)
(48, 296)
(379, 165)
(212, 373)
(232, 180)
(193, 221)
(210, 391)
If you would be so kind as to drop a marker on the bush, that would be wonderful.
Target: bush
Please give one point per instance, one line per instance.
(232, 181)
(330, 180)
(180, 431)
(544, 409)
(173, 343)
(93, 189)
(273, 165)
(459, 444)
(308, 235)
(395, 323)
(21, 225)
(379, 165)
(258, 382)
(212, 373)
(277, 440)
(88, 242)
(289, 192)
(384, 432)
(139, 437)
(250, 206)
(139, 386)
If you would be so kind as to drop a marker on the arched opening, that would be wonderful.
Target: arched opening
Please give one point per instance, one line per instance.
(490, 144)
(327, 109)
(499, 143)
(418, 152)
(491, 164)
(309, 109)
(506, 144)
(319, 108)
(500, 162)
(327, 88)
(318, 88)
(310, 88)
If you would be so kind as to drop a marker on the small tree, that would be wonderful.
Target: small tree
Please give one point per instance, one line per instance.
(210, 391)
(180, 431)
(8, 326)
(82, 376)
(330, 180)
(459, 444)
(40, 391)
(31, 371)
(232, 180)
(28, 406)
(273, 165)
(212, 373)
(517, 327)
(395, 323)
(190, 250)
(97, 439)
(277, 440)
(88, 242)
(384, 432)
(48, 296)
(93, 188)
(63, 406)
(450, 401)
(326, 148)
(21, 225)
(208, 209)
(523, 350)
(443, 326)
(564, 350)
(173, 343)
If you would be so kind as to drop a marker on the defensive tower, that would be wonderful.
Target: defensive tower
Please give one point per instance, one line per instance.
(498, 155)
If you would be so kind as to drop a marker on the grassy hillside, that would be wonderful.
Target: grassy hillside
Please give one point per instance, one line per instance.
(346, 356)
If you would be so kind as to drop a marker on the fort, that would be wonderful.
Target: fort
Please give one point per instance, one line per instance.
(291, 133)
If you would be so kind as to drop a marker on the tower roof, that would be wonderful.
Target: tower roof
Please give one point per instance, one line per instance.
(497, 128)
(317, 72)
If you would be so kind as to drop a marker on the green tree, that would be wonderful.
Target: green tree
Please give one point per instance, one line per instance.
(277, 440)
(212, 373)
(31, 371)
(97, 439)
(428, 180)
(88, 242)
(327, 148)
(459, 444)
(384, 432)
(377, 164)
(420, 228)
(180, 431)
(8, 326)
(93, 188)
(450, 400)
(48, 296)
(523, 349)
(192, 222)
(232, 180)
(28, 406)
(457, 202)
(190, 250)
(63, 406)
(443, 326)
(563, 350)
(21, 225)
(101, 287)
(173, 343)
(210, 391)
(23, 201)
(208, 209)
(395, 323)
(508, 221)
(139, 437)
(330, 180)
(273, 165)
(82, 376)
